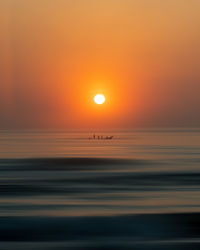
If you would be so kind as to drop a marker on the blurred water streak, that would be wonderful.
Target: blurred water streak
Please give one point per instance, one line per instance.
(60, 190)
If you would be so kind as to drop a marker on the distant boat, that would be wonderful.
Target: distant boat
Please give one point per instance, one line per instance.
(109, 137)
(101, 137)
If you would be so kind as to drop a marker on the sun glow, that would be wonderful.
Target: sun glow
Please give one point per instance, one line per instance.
(99, 99)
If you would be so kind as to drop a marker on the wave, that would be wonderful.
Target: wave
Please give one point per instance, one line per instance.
(65, 163)
(106, 232)
(97, 203)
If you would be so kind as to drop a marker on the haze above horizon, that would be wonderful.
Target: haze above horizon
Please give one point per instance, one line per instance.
(142, 55)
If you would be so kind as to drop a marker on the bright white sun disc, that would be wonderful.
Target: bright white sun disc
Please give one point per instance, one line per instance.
(99, 99)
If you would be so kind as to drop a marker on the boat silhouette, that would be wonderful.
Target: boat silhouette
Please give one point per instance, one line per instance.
(94, 137)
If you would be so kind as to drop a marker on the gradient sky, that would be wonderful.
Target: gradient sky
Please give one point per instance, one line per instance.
(55, 55)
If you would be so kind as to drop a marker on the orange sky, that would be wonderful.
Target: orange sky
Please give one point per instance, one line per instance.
(144, 55)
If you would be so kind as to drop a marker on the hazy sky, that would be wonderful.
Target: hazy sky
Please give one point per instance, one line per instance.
(55, 55)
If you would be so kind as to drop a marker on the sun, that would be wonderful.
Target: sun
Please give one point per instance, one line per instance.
(99, 99)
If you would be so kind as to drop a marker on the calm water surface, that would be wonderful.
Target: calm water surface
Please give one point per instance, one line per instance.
(60, 190)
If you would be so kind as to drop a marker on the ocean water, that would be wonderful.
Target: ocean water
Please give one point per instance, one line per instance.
(60, 190)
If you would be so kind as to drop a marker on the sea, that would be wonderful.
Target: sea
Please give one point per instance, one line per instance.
(67, 190)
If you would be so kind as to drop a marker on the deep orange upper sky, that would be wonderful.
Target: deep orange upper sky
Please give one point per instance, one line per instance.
(144, 55)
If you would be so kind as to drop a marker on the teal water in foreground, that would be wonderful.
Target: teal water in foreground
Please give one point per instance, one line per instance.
(59, 190)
